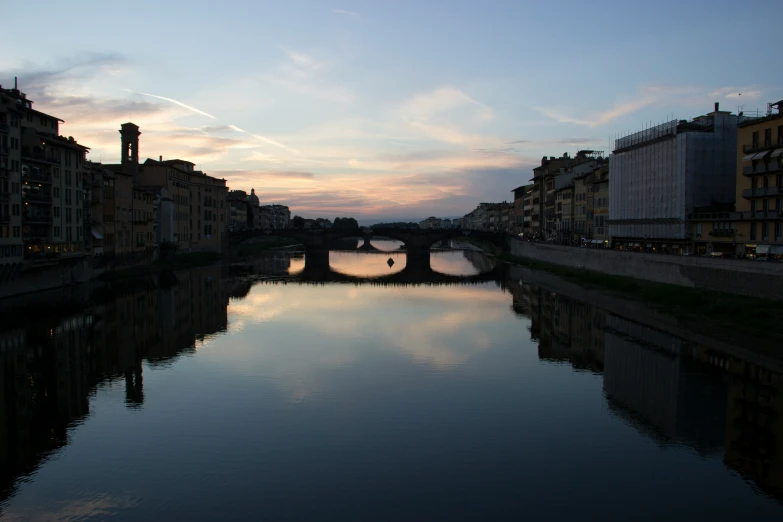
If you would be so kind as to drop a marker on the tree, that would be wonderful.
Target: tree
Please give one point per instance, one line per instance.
(298, 222)
(345, 223)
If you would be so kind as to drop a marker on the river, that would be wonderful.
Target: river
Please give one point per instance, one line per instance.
(260, 393)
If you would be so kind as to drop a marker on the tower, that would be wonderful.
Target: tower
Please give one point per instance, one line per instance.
(130, 147)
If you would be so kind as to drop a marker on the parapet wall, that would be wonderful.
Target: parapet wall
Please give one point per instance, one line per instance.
(742, 277)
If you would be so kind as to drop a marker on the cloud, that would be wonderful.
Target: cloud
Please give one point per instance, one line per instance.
(252, 174)
(515, 142)
(350, 14)
(188, 107)
(748, 93)
(307, 75)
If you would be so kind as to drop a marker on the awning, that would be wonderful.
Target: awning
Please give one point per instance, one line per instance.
(762, 249)
(748, 157)
(96, 233)
(776, 153)
(760, 155)
(777, 250)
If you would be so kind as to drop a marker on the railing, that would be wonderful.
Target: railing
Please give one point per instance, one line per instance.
(708, 216)
(37, 220)
(41, 158)
(764, 214)
(37, 176)
(761, 169)
(38, 198)
(722, 233)
(761, 192)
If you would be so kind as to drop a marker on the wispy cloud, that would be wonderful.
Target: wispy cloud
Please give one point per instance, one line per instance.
(308, 75)
(749, 93)
(171, 100)
(350, 14)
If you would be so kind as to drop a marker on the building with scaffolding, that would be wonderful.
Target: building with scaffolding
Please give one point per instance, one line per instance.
(661, 174)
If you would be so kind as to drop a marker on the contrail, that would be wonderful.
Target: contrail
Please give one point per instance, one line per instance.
(263, 138)
(232, 127)
(188, 107)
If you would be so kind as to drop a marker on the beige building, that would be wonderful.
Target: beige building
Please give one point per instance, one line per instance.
(44, 175)
(200, 209)
(11, 245)
(754, 227)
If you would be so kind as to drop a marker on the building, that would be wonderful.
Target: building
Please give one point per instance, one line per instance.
(199, 202)
(41, 184)
(553, 174)
(753, 226)
(11, 244)
(275, 217)
(660, 175)
(240, 214)
(598, 208)
(430, 222)
(520, 213)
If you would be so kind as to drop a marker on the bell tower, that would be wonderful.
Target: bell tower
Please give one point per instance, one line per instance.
(130, 147)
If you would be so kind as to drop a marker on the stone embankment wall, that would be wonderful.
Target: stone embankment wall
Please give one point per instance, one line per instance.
(62, 274)
(743, 277)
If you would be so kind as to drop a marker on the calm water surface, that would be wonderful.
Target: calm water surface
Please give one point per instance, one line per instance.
(228, 398)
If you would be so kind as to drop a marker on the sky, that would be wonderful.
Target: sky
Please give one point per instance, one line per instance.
(385, 110)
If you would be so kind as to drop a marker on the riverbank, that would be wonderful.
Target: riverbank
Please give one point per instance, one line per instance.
(762, 318)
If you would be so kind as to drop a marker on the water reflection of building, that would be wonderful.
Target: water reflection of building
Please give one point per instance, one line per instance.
(666, 388)
(648, 373)
(49, 367)
(479, 260)
(566, 330)
(754, 419)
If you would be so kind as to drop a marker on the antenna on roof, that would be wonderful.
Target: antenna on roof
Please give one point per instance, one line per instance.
(16, 83)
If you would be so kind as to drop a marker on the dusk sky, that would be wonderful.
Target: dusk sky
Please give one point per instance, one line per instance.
(386, 110)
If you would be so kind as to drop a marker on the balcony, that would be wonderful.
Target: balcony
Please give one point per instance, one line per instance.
(37, 175)
(758, 146)
(37, 220)
(40, 158)
(36, 197)
(761, 169)
(762, 192)
(762, 214)
(722, 233)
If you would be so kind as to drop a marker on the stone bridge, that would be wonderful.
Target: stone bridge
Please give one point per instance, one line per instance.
(417, 242)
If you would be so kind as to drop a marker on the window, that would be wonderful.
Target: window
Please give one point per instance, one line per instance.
(755, 142)
(780, 134)
(763, 230)
(56, 192)
(15, 209)
(777, 231)
(67, 196)
(777, 205)
(752, 231)
(56, 231)
(698, 229)
(766, 181)
(767, 137)
(765, 205)
(67, 216)
(17, 231)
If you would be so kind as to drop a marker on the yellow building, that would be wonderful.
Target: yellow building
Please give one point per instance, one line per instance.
(753, 229)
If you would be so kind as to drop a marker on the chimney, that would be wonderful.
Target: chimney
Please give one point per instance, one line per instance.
(16, 83)
(160, 159)
(717, 106)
